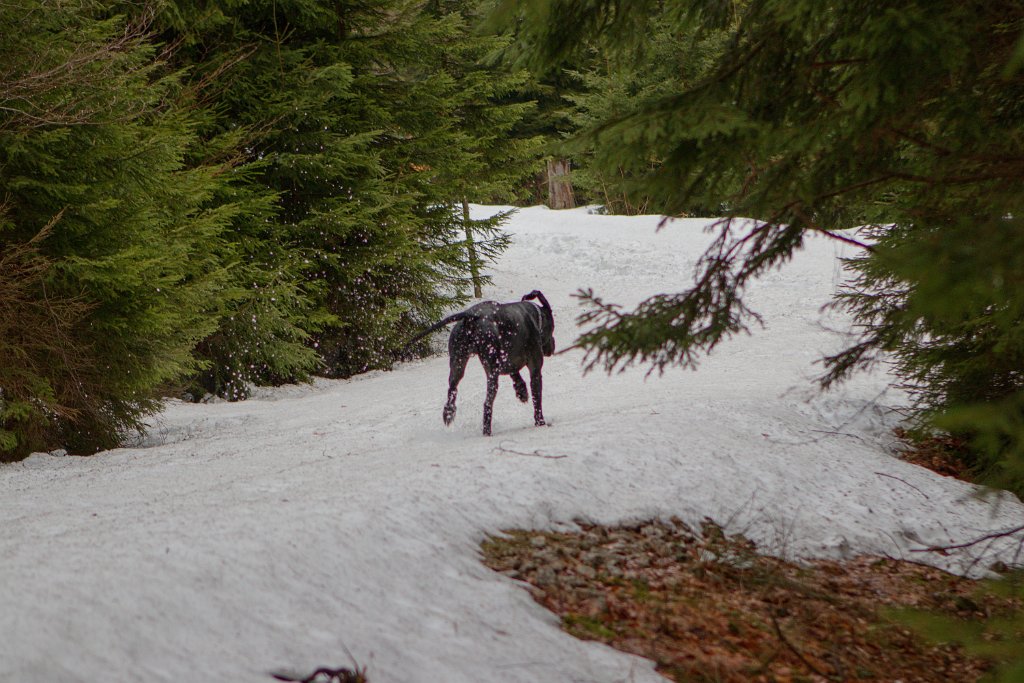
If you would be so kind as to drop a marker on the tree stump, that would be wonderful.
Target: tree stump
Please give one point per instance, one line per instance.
(560, 195)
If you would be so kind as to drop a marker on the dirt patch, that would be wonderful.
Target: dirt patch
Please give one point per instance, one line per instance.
(943, 454)
(707, 607)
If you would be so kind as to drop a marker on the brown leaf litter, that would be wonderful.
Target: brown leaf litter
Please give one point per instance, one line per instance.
(707, 607)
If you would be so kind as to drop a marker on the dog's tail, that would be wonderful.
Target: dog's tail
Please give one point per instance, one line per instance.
(539, 296)
(435, 327)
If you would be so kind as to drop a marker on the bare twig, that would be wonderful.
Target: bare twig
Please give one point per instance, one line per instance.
(342, 675)
(812, 225)
(54, 87)
(835, 433)
(567, 349)
(958, 546)
(883, 474)
(844, 238)
(534, 454)
(787, 643)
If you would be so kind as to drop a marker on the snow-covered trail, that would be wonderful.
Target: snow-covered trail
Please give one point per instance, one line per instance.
(283, 531)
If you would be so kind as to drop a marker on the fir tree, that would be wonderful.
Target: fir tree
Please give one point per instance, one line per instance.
(616, 86)
(112, 247)
(553, 89)
(264, 93)
(482, 160)
(820, 117)
(357, 121)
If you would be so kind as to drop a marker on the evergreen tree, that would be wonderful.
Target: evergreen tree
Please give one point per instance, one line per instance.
(822, 116)
(356, 120)
(553, 90)
(270, 91)
(110, 245)
(819, 117)
(616, 86)
(482, 160)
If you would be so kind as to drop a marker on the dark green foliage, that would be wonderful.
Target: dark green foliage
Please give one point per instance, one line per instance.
(618, 86)
(907, 117)
(269, 71)
(278, 193)
(365, 124)
(948, 308)
(485, 153)
(551, 89)
(42, 369)
(942, 291)
(820, 117)
(110, 230)
(482, 159)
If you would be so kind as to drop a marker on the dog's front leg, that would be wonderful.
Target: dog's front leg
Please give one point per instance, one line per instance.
(492, 391)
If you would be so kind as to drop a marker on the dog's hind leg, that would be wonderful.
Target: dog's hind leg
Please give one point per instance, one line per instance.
(536, 387)
(492, 391)
(520, 386)
(457, 360)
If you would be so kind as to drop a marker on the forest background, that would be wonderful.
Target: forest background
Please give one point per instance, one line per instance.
(197, 198)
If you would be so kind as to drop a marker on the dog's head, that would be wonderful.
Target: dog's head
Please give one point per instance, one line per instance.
(547, 345)
(547, 330)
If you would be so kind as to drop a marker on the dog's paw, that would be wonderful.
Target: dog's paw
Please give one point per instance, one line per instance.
(523, 395)
(448, 415)
(539, 422)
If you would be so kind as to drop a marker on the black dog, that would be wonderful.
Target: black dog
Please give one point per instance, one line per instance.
(506, 337)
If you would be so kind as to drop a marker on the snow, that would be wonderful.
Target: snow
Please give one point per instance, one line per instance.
(310, 522)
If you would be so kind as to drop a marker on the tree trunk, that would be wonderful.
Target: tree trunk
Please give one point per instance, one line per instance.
(474, 261)
(560, 194)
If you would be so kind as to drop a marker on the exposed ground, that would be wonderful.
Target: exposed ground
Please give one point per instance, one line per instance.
(945, 455)
(707, 607)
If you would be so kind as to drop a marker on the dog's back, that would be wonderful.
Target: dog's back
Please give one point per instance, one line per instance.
(505, 336)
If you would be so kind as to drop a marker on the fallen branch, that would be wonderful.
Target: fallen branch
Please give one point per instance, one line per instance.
(356, 674)
(800, 656)
(534, 454)
(883, 474)
(981, 539)
(834, 433)
(342, 675)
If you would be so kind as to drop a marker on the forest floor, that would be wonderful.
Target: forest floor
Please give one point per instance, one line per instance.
(706, 607)
(709, 607)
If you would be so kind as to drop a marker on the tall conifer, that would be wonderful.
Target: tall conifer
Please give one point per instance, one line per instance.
(109, 219)
(820, 117)
(364, 122)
